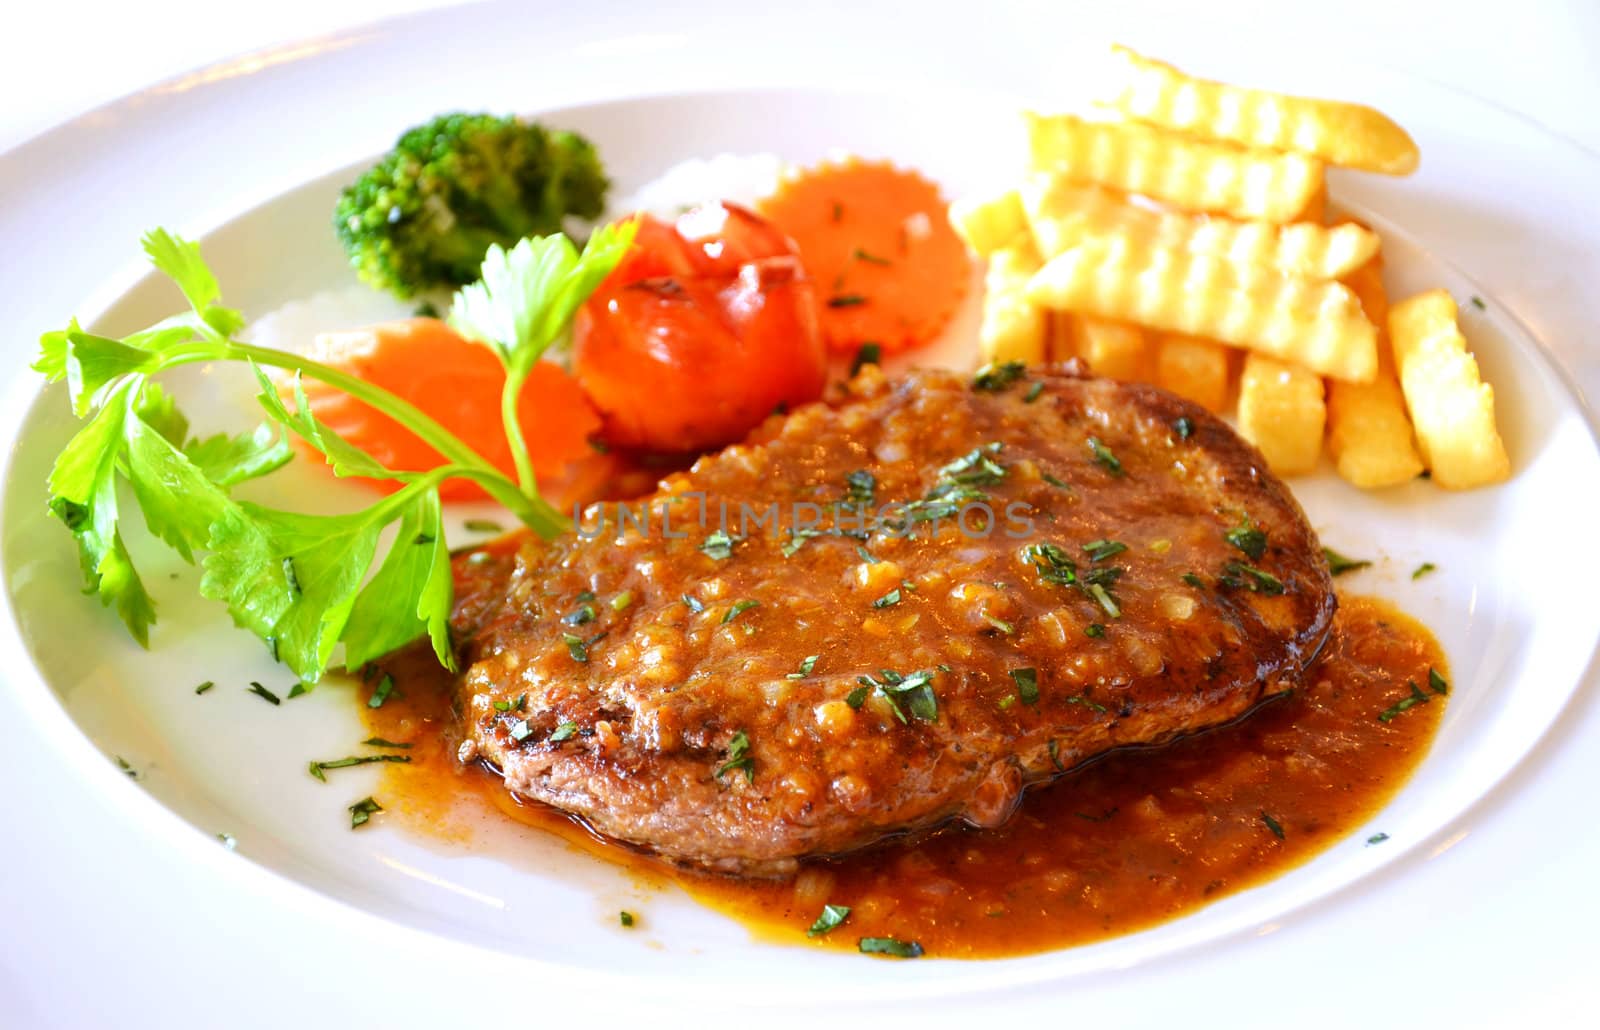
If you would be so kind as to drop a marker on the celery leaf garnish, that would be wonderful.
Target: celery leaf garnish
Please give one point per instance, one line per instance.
(304, 583)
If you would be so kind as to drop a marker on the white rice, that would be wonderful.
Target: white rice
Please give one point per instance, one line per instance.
(293, 326)
(739, 178)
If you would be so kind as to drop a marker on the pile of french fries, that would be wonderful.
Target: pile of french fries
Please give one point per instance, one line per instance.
(1180, 238)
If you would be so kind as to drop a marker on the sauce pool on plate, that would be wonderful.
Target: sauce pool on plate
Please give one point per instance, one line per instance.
(1131, 840)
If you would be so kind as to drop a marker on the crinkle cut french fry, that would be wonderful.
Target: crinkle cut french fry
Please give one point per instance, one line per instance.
(1316, 324)
(1116, 350)
(1014, 328)
(1451, 406)
(1369, 433)
(1196, 175)
(1281, 411)
(1316, 209)
(1345, 134)
(989, 223)
(1063, 213)
(1194, 369)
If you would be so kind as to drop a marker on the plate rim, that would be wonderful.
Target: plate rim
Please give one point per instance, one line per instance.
(108, 290)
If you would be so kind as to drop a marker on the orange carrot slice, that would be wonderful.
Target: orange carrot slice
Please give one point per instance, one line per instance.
(458, 383)
(875, 239)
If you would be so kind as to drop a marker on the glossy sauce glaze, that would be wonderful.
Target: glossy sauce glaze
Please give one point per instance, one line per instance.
(1131, 840)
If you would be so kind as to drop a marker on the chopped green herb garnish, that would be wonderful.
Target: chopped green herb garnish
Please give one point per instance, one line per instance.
(521, 704)
(737, 609)
(1478, 303)
(363, 810)
(856, 698)
(563, 732)
(1100, 594)
(122, 763)
(579, 616)
(975, 468)
(694, 604)
(262, 692)
(1193, 580)
(1272, 824)
(838, 211)
(830, 919)
(621, 601)
(806, 665)
(318, 768)
(1436, 682)
(739, 758)
(520, 730)
(202, 688)
(1247, 538)
(586, 595)
(1183, 426)
(1103, 457)
(1423, 569)
(1053, 564)
(1338, 564)
(1416, 697)
(228, 841)
(1082, 700)
(576, 647)
(380, 742)
(797, 539)
(380, 695)
(888, 600)
(860, 488)
(889, 946)
(866, 354)
(867, 555)
(1033, 393)
(1094, 629)
(1027, 681)
(998, 375)
(871, 259)
(299, 688)
(483, 526)
(1377, 838)
(718, 545)
(625, 918)
(915, 690)
(846, 300)
(1237, 574)
(1100, 550)
(1054, 481)
(1000, 624)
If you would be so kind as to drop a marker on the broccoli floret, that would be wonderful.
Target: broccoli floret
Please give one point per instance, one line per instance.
(425, 215)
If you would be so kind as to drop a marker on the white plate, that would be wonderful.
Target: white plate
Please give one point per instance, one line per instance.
(1492, 832)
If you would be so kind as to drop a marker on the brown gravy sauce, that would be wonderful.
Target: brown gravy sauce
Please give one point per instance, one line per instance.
(1130, 840)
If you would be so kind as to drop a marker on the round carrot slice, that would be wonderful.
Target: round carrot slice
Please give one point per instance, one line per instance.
(458, 383)
(888, 267)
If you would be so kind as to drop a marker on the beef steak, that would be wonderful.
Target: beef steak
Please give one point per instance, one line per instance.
(869, 659)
